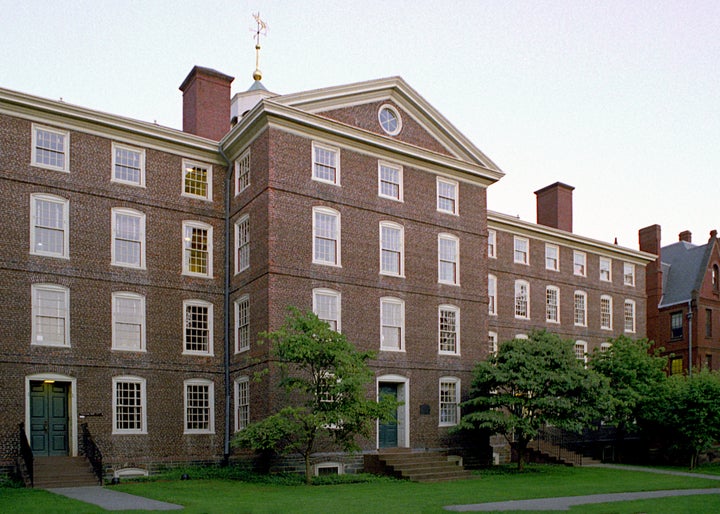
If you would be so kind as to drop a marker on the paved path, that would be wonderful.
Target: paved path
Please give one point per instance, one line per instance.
(564, 503)
(109, 499)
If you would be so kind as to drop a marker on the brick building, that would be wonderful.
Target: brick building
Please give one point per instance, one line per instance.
(683, 299)
(140, 263)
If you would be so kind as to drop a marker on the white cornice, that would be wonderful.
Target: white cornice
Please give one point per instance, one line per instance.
(507, 223)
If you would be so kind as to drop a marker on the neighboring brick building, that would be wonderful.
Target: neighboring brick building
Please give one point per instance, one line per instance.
(140, 263)
(683, 298)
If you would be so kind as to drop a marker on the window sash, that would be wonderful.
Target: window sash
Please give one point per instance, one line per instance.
(128, 239)
(196, 180)
(242, 323)
(628, 274)
(629, 312)
(128, 165)
(552, 305)
(580, 310)
(50, 148)
(522, 293)
(243, 244)
(243, 404)
(448, 258)
(579, 264)
(325, 164)
(327, 309)
(390, 181)
(447, 196)
(391, 320)
(492, 294)
(242, 173)
(326, 237)
(128, 320)
(448, 331)
(552, 259)
(197, 250)
(197, 328)
(197, 408)
(521, 250)
(391, 242)
(128, 406)
(605, 313)
(49, 227)
(51, 316)
(448, 403)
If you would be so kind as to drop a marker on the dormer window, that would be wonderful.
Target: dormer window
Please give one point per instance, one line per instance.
(716, 278)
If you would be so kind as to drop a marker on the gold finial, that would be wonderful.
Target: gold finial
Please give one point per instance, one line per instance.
(260, 30)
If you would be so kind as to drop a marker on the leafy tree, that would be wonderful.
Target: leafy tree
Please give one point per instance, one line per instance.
(529, 383)
(686, 412)
(633, 373)
(326, 378)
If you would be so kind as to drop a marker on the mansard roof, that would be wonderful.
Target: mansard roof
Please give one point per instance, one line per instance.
(684, 266)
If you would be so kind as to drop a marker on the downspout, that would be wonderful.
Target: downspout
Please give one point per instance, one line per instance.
(690, 336)
(226, 309)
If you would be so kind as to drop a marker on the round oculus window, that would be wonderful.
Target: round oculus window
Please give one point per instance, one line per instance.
(389, 120)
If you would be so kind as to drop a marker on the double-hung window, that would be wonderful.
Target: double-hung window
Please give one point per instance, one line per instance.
(449, 330)
(326, 305)
(522, 250)
(129, 400)
(242, 243)
(676, 325)
(128, 321)
(606, 312)
(326, 164)
(552, 304)
(579, 263)
(197, 180)
(580, 309)
(522, 299)
(197, 248)
(128, 238)
(552, 257)
(492, 244)
(50, 148)
(449, 406)
(51, 315)
(242, 172)
(392, 324)
(605, 269)
(392, 249)
(326, 236)
(492, 343)
(242, 403)
(581, 351)
(198, 324)
(629, 274)
(629, 314)
(448, 259)
(128, 165)
(199, 406)
(390, 181)
(492, 295)
(242, 324)
(447, 196)
(49, 226)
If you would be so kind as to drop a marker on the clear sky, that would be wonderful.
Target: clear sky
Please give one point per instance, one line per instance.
(619, 98)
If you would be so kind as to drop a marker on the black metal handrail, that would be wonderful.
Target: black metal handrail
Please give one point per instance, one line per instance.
(92, 452)
(25, 457)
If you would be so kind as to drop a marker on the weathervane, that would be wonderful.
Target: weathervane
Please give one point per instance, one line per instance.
(260, 30)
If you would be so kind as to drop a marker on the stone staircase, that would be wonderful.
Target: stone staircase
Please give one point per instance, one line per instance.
(561, 455)
(416, 466)
(50, 472)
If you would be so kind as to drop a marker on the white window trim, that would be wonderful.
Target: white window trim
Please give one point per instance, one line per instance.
(456, 309)
(631, 267)
(519, 283)
(395, 226)
(585, 351)
(239, 268)
(329, 292)
(605, 347)
(557, 259)
(456, 185)
(330, 212)
(610, 304)
(397, 117)
(521, 336)
(238, 301)
(142, 322)
(66, 224)
(238, 381)
(608, 260)
(401, 303)
(456, 381)
(66, 134)
(186, 264)
(557, 306)
(55, 288)
(493, 344)
(127, 212)
(245, 156)
(187, 163)
(492, 293)
(211, 405)
(450, 237)
(211, 332)
(329, 148)
(399, 169)
(516, 240)
(634, 316)
(329, 464)
(492, 248)
(143, 405)
(584, 255)
(585, 308)
(141, 151)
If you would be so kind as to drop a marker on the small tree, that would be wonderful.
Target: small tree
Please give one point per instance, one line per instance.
(326, 378)
(634, 372)
(529, 383)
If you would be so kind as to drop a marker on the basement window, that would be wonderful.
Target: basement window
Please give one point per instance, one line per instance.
(329, 468)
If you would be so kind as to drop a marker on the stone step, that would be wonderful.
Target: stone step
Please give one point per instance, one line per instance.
(50, 472)
(422, 466)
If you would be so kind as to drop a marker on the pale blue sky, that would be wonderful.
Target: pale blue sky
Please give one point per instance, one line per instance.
(620, 99)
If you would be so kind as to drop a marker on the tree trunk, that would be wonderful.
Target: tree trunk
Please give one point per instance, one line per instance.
(522, 445)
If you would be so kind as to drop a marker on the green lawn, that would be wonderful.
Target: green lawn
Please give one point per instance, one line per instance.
(221, 496)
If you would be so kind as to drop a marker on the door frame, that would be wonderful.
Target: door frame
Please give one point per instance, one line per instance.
(72, 406)
(403, 413)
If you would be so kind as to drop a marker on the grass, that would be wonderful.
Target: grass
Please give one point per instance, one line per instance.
(216, 495)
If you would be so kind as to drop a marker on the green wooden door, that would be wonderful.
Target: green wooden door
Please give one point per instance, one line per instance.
(49, 418)
(388, 430)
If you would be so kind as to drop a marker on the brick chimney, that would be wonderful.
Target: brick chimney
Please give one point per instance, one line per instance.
(686, 236)
(554, 206)
(649, 238)
(206, 103)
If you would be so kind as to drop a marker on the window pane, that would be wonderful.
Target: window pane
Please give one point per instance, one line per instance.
(128, 165)
(197, 328)
(50, 148)
(128, 406)
(49, 227)
(325, 164)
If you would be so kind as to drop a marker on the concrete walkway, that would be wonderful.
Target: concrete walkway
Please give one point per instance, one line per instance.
(564, 503)
(109, 499)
